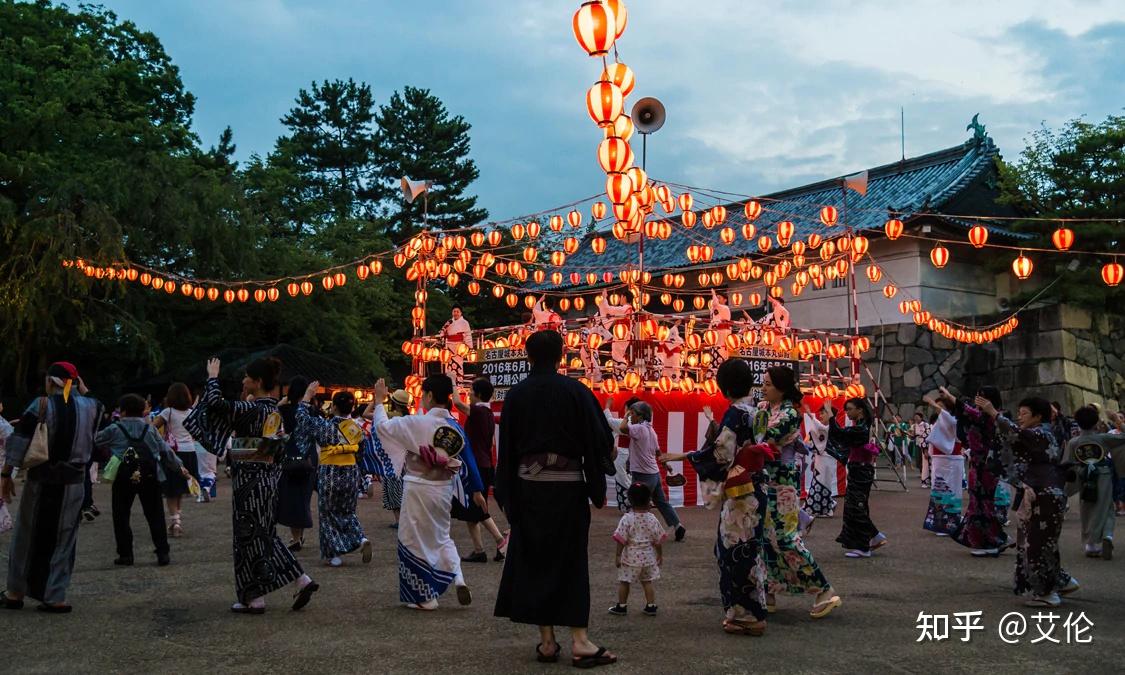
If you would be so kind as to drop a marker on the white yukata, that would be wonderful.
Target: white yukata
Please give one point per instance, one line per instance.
(428, 561)
(671, 354)
(543, 318)
(456, 333)
(612, 315)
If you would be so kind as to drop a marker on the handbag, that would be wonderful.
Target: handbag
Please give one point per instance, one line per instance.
(39, 450)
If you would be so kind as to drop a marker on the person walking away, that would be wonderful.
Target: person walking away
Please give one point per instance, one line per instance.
(640, 550)
(732, 468)
(6, 430)
(298, 469)
(1040, 502)
(858, 535)
(981, 529)
(1094, 478)
(480, 427)
(45, 537)
(262, 564)
(145, 462)
(555, 452)
(431, 445)
(644, 448)
(170, 422)
(338, 480)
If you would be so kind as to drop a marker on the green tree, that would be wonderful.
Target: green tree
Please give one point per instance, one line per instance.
(97, 160)
(1077, 171)
(419, 139)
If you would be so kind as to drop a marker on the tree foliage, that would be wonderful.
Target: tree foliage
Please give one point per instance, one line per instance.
(98, 160)
(1077, 171)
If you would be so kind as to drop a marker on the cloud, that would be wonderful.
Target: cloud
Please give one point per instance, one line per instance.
(760, 96)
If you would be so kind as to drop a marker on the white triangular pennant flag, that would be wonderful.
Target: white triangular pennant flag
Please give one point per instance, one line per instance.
(857, 182)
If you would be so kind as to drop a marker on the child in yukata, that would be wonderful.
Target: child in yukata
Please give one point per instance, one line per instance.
(640, 550)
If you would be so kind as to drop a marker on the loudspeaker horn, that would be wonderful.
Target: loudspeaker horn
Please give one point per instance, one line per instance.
(412, 188)
(648, 115)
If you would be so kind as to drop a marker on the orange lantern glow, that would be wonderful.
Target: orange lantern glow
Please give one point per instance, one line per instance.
(893, 228)
(595, 27)
(1022, 266)
(306, 287)
(614, 155)
(764, 243)
(939, 256)
(1112, 273)
(889, 291)
(598, 210)
(619, 188)
(874, 274)
(727, 235)
(978, 235)
(604, 102)
(1062, 238)
(828, 215)
(784, 232)
(719, 213)
(859, 247)
(687, 218)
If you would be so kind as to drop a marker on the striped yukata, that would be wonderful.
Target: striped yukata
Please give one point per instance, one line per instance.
(262, 563)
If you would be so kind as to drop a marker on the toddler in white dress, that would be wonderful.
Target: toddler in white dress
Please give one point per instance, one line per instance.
(640, 538)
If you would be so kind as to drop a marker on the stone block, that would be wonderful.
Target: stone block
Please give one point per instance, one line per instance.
(894, 354)
(907, 333)
(1087, 353)
(1058, 371)
(1114, 363)
(896, 369)
(924, 341)
(1027, 375)
(915, 356)
(1076, 318)
(942, 342)
(912, 378)
(929, 369)
(949, 362)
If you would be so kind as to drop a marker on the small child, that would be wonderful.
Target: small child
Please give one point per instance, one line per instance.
(640, 550)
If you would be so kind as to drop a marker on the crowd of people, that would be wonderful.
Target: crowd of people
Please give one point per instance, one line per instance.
(767, 467)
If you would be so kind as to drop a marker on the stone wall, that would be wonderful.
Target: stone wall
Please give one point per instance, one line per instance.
(1059, 352)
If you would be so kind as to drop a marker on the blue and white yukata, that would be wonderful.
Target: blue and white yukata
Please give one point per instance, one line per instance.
(428, 561)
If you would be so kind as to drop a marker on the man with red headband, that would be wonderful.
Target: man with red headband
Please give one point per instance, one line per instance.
(41, 558)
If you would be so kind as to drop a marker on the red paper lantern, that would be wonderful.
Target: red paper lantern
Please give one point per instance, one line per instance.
(764, 243)
(1022, 265)
(614, 155)
(828, 215)
(889, 291)
(784, 233)
(939, 256)
(604, 102)
(595, 27)
(893, 228)
(1112, 273)
(752, 210)
(621, 75)
(1062, 238)
(687, 218)
(978, 235)
(619, 188)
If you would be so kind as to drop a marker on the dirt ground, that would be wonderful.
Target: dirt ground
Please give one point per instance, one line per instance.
(176, 619)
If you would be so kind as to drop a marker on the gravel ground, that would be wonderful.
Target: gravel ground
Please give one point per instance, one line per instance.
(176, 619)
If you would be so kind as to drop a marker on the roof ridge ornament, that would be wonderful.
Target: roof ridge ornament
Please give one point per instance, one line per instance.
(980, 137)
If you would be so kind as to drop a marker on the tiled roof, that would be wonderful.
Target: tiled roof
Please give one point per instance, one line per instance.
(923, 184)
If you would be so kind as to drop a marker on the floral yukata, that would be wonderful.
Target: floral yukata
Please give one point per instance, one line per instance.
(1036, 472)
(639, 534)
(742, 571)
(982, 526)
(790, 566)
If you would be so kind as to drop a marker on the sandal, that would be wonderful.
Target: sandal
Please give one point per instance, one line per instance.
(771, 604)
(10, 603)
(54, 609)
(823, 609)
(734, 627)
(302, 596)
(547, 658)
(239, 608)
(598, 658)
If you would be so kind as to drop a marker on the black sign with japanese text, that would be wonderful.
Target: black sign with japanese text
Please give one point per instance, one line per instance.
(506, 368)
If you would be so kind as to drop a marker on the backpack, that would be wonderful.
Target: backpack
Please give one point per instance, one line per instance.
(137, 462)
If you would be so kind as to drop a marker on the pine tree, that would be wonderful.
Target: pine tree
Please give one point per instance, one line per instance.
(418, 138)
